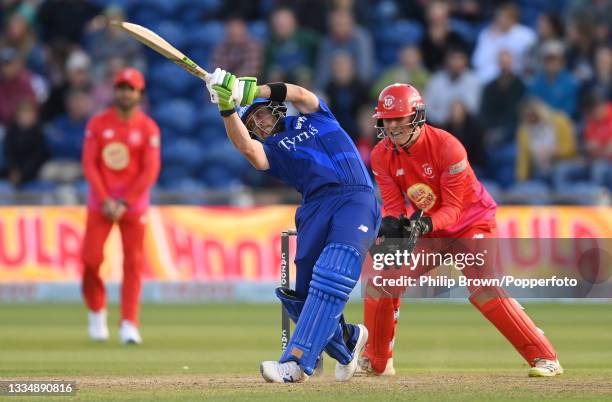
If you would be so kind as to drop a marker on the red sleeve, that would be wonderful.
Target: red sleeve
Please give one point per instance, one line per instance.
(393, 200)
(150, 165)
(452, 184)
(91, 154)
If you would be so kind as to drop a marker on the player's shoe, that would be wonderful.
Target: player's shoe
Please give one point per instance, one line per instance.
(129, 333)
(365, 368)
(273, 371)
(345, 372)
(98, 329)
(545, 368)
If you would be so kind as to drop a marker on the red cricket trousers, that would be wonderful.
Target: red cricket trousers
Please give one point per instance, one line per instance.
(132, 228)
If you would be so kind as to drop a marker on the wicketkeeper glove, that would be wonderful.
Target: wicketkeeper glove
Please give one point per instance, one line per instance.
(423, 225)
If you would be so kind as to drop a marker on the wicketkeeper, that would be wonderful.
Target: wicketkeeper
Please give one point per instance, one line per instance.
(336, 223)
(121, 164)
(430, 167)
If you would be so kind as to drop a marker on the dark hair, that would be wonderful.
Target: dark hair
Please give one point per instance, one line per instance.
(556, 23)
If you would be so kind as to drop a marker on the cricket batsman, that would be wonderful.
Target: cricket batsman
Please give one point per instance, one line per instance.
(430, 167)
(121, 162)
(336, 222)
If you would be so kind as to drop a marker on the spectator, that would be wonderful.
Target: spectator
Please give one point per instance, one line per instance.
(65, 20)
(346, 93)
(102, 91)
(345, 36)
(77, 71)
(409, 70)
(550, 27)
(503, 33)
(366, 134)
(581, 46)
(290, 50)
(239, 53)
(601, 83)
(65, 138)
(499, 106)
(109, 41)
(24, 146)
(544, 137)
(468, 131)
(554, 84)
(456, 81)
(438, 37)
(18, 34)
(598, 129)
(15, 84)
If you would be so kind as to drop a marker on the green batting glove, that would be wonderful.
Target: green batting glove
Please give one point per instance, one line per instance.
(226, 102)
(246, 91)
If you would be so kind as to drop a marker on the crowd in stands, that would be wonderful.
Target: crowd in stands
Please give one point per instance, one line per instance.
(525, 85)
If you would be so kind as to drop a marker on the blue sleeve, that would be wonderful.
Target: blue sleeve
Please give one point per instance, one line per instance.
(324, 111)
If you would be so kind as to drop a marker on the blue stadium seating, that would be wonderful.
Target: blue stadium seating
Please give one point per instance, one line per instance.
(582, 193)
(178, 115)
(529, 192)
(567, 173)
(206, 35)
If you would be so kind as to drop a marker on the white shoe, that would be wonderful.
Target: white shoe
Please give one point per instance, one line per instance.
(344, 372)
(129, 333)
(365, 367)
(545, 368)
(273, 371)
(98, 329)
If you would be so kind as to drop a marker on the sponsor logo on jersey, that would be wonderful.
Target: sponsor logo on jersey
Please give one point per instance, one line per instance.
(422, 196)
(458, 167)
(135, 137)
(428, 171)
(363, 228)
(389, 101)
(300, 120)
(116, 155)
(290, 143)
(400, 172)
(108, 133)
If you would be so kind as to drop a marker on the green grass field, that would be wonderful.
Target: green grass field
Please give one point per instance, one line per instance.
(195, 352)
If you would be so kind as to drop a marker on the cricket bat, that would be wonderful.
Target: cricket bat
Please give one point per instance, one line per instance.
(161, 46)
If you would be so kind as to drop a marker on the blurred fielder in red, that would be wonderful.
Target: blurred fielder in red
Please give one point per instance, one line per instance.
(430, 167)
(121, 163)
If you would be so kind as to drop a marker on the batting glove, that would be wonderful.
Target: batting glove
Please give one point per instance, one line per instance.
(245, 91)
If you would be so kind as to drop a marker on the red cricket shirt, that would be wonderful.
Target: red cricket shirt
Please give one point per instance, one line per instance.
(121, 158)
(435, 176)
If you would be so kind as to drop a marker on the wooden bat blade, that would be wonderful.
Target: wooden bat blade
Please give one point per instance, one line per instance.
(161, 46)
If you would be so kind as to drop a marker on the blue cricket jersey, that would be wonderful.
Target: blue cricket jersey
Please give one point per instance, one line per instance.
(313, 152)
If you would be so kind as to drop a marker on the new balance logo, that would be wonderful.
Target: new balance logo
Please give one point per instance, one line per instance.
(363, 228)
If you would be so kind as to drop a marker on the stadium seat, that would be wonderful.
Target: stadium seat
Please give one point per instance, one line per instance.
(528, 192)
(258, 30)
(207, 35)
(6, 192)
(219, 177)
(170, 78)
(172, 32)
(178, 115)
(601, 173)
(583, 193)
(566, 173)
(467, 31)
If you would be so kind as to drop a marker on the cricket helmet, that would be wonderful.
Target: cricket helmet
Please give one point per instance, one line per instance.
(246, 114)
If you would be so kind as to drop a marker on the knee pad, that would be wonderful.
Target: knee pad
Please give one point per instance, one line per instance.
(334, 276)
